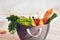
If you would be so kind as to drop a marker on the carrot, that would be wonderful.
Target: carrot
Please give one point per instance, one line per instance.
(47, 15)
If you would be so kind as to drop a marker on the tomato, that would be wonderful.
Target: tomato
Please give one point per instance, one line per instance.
(39, 22)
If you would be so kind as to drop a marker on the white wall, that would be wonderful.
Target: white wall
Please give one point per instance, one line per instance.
(27, 7)
(21, 6)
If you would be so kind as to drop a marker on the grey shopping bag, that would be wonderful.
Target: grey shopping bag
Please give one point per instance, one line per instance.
(32, 32)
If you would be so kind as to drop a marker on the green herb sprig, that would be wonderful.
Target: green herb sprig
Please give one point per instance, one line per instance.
(13, 23)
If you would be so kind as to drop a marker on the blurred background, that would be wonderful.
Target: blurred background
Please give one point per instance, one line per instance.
(26, 8)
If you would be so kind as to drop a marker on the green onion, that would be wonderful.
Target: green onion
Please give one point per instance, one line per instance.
(52, 17)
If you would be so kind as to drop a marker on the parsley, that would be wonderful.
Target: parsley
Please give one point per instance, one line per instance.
(13, 23)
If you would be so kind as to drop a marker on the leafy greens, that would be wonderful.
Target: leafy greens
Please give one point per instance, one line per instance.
(13, 23)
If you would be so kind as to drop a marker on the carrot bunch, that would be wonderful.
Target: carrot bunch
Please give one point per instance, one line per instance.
(47, 18)
(47, 15)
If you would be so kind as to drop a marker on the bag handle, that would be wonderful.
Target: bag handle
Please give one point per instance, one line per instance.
(39, 32)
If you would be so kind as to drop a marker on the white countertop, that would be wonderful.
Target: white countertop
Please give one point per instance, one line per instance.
(54, 32)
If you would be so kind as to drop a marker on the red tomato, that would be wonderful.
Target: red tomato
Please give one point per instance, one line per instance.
(38, 22)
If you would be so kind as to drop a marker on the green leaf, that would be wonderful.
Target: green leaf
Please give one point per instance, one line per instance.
(13, 24)
(24, 21)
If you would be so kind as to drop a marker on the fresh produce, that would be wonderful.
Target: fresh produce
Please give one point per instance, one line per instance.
(39, 22)
(24, 21)
(12, 18)
(47, 15)
(13, 23)
(30, 21)
(52, 17)
(34, 19)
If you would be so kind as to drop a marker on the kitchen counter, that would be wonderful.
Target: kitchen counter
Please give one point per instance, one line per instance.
(54, 33)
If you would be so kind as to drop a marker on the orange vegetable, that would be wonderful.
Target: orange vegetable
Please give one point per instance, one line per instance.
(47, 15)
